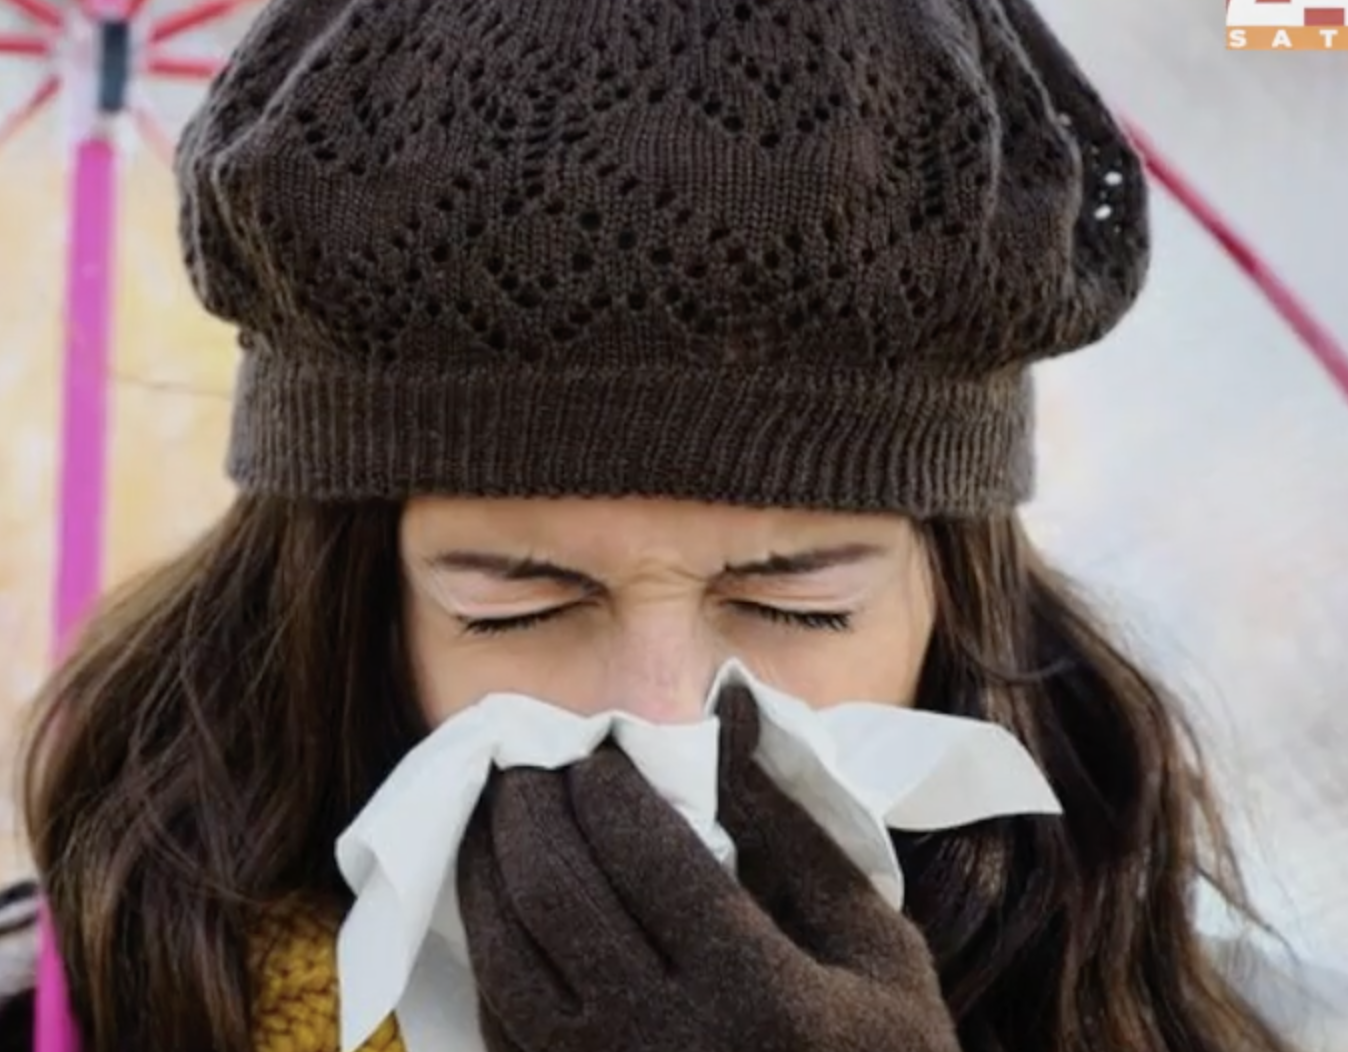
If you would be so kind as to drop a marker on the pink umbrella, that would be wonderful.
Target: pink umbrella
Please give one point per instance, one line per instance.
(96, 50)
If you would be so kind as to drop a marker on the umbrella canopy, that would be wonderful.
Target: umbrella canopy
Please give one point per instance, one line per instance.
(1194, 465)
(1191, 466)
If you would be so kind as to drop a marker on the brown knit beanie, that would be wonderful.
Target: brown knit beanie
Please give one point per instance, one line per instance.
(769, 252)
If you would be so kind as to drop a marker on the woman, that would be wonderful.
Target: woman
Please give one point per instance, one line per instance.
(586, 345)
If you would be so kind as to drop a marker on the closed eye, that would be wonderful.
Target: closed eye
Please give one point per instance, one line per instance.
(815, 620)
(495, 626)
(811, 620)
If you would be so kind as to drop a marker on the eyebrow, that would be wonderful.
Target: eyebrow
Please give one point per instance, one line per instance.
(510, 568)
(806, 562)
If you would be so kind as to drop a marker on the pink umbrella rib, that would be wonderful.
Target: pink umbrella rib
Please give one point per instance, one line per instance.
(184, 68)
(154, 133)
(194, 17)
(31, 107)
(39, 11)
(1323, 345)
(24, 45)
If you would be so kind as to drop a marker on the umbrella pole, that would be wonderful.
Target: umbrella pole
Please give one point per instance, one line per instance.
(84, 416)
(85, 383)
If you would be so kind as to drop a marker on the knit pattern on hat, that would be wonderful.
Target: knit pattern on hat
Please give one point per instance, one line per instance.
(761, 251)
(293, 965)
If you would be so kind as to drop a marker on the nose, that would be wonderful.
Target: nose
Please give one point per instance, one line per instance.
(658, 666)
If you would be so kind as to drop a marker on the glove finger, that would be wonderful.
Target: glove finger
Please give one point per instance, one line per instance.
(737, 709)
(515, 979)
(805, 881)
(769, 828)
(558, 892)
(692, 910)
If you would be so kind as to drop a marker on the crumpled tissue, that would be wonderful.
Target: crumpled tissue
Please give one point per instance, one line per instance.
(857, 768)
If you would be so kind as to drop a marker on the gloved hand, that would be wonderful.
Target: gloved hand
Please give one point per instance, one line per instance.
(598, 922)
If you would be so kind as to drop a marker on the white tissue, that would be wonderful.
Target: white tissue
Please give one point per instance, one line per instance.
(856, 768)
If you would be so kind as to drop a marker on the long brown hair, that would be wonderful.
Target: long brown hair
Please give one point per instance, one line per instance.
(226, 716)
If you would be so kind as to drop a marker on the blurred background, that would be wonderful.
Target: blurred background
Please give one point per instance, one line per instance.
(1194, 467)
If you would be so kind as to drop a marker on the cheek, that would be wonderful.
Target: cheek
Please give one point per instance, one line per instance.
(879, 664)
(446, 683)
(880, 660)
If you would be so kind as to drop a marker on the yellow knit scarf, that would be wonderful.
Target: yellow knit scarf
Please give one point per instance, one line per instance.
(294, 970)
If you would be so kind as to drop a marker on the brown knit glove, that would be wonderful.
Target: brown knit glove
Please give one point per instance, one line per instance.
(598, 922)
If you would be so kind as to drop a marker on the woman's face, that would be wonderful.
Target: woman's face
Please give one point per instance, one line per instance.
(634, 604)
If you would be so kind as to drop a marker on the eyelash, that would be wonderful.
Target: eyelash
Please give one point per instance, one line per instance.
(813, 620)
